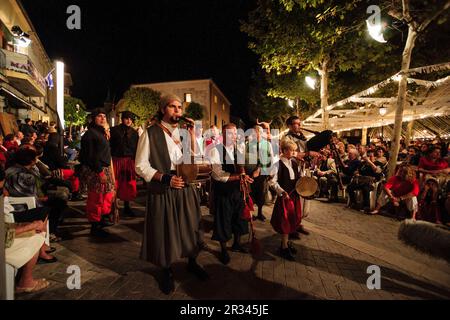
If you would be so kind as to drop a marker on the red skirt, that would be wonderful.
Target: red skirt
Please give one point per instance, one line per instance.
(124, 170)
(287, 214)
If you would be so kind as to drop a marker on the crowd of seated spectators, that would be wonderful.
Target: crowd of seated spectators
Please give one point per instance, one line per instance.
(32, 165)
(420, 188)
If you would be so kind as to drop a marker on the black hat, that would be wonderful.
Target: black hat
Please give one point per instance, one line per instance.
(98, 111)
(128, 115)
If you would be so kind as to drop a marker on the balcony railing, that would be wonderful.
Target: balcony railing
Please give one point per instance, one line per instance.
(21, 72)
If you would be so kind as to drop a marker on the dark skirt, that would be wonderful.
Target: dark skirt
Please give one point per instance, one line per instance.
(228, 216)
(287, 214)
(259, 190)
(171, 226)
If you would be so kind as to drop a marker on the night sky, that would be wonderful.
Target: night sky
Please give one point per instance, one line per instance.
(128, 42)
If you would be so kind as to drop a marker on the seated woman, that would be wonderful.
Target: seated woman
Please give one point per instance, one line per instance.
(403, 187)
(327, 175)
(23, 244)
(380, 156)
(60, 169)
(368, 173)
(434, 171)
(3, 154)
(22, 181)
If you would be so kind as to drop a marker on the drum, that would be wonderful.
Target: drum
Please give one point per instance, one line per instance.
(188, 172)
(193, 173)
(307, 187)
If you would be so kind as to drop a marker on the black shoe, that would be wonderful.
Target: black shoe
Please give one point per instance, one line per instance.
(199, 272)
(46, 261)
(97, 231)
(50, 250)
(294, 236)
(292, 248)
(261, 217)
(128, 212)
(167, 284)
(238, 248)
(303, 231)
(224, 257)
(105, 222)
(287, 254)
(76, 197)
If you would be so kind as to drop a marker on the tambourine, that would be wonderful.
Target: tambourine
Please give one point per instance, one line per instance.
(307, 187)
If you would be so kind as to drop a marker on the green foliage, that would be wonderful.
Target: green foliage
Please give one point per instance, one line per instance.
(195, 111)
(296, 38)
(141, 101)
(267, 108)
(74, 111)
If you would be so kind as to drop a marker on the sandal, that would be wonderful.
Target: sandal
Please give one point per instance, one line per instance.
(39, 285)
(54, 238)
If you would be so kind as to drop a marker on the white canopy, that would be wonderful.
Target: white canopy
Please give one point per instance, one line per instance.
(362, 111)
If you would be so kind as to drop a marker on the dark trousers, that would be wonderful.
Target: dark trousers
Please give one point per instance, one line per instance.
(365, 189)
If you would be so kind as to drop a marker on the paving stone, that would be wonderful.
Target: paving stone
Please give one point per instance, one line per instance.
(324, 268)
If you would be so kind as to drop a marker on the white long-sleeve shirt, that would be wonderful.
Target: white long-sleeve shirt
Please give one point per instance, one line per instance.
(143, 167)
(274, 181)
(218, 173)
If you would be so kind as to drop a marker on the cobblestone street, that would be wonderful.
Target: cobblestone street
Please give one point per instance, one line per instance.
(331, 263)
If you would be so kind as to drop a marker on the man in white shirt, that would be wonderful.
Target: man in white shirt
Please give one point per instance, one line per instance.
(173, 207)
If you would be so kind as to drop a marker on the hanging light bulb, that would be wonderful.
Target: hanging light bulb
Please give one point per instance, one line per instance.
(375, 32)
(382, 111)
(311, 82)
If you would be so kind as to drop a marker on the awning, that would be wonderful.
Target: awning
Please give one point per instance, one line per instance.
(15, 95)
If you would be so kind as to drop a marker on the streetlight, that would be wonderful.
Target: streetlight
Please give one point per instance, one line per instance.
(382, 111)
(375, 32)
(311, 82)
(60, 91)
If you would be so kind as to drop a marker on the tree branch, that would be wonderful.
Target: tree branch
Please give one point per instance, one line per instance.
(425, 24)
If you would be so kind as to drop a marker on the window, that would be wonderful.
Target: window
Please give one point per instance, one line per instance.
(223, 106)
(188, 97)
(215, 120)
(215, 99)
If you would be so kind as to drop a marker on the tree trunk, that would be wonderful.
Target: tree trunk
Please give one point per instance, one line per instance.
(364, 136)
(409, 133)
(324, 75)
(401, 101)
(70, 129)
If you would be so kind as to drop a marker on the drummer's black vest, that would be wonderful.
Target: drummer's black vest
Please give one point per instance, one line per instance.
(159, 156)
(230, 167)
(284, 179)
